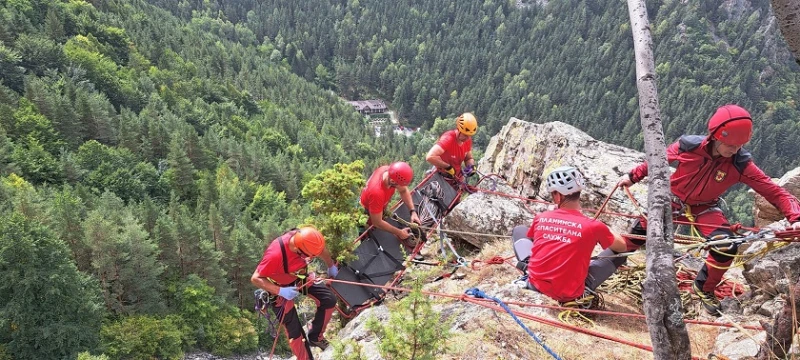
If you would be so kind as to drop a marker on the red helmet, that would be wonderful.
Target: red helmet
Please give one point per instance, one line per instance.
(309, 240)
(731, 125)
(401, 173)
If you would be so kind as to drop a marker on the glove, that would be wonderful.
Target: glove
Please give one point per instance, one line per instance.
(469, 170)
(288, 293)
(333, 271)
(450, 171)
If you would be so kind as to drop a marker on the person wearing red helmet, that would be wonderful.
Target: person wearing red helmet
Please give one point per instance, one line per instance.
(454, 148)
(379, 191)
(706, 166)
(283, 274)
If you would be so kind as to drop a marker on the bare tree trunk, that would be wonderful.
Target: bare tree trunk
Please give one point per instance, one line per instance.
(788, 14)
(781, 333)
(662, 304)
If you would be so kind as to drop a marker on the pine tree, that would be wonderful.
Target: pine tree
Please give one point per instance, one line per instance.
(124, 258)
(414, 329)
(48, 309)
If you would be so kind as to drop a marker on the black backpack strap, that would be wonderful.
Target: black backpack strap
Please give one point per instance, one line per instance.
(283, 248)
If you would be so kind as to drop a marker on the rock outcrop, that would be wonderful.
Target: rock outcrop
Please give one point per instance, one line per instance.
(522, 154)
(763, 212)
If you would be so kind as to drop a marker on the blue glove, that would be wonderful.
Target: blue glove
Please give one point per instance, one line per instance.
(289, 292)
(333, 271)
(469, 170)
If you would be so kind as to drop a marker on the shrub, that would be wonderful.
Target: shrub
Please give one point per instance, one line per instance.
(87, 356)
(231, 334)
(414, 329)
(143, 337)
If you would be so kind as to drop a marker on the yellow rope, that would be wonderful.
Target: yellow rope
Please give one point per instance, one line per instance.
(741, 259)
(576, 317)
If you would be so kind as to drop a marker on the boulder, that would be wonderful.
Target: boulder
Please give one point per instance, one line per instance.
(489, 213)
(521, 155)
(763, 212)
(771, 274)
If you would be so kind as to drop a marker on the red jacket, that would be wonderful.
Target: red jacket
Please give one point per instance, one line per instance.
(700, 179)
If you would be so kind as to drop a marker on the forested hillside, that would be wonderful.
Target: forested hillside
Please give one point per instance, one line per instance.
(570, 61)
(145, 162)
(150, 149)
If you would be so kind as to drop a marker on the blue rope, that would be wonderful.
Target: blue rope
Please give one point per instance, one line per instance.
(477, 293)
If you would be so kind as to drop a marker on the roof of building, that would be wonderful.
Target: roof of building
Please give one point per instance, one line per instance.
(372, 104)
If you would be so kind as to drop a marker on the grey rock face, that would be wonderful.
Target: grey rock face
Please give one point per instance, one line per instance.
(522, 155)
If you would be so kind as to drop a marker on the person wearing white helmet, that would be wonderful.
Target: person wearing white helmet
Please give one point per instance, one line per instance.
(563, 240)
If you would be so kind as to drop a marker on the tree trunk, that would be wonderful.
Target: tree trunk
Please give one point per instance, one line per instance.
(781, 333)
(788, 14)
(662, 304)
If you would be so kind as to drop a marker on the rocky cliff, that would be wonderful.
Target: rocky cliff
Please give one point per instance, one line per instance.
(518, 157)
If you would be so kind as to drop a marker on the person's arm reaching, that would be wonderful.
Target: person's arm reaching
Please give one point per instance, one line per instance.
(434, 157)
(377, 220)
(755, 178)
(405, 195)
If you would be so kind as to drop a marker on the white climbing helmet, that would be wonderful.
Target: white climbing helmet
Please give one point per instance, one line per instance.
(565, 180)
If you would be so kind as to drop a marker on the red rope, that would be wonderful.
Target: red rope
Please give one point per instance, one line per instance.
(603, 206)
(494, 260)
(563, 325)
(726, 288)
(632, 315)
(554, 307)
(734, 227)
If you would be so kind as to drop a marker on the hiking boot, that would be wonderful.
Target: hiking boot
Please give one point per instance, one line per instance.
(321, 343)
(708, 299)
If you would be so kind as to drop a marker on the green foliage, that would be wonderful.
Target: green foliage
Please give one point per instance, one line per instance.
(232, 335)
(143, 337)
(414, 329)
(10, 70)
(347, 349)
(198, 305)
(117, 170)
(87, 356)
(124, 258)
(212, 323)
(334, 198)
(36, 270)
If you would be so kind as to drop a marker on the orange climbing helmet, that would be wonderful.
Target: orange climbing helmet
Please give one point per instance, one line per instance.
(309, 240)
(401, 173)
(467, 124)
(731, 125)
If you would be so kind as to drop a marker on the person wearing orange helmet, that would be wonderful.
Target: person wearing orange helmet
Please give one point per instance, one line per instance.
(706, 166)
(379, 190)
(283, 274)
(454, 148)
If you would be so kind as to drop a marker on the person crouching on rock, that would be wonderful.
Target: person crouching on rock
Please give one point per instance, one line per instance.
(283, 274)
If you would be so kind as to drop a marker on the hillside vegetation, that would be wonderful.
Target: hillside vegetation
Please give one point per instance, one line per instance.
(149, 150)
